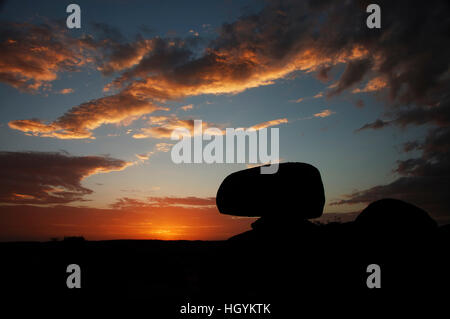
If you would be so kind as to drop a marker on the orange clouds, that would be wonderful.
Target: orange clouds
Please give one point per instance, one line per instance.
(33, 126)
(324, 113)
(163, 147)
(160, 147)
(31, 56)
(124, 55)
(374, 84)
(79, 121)
(248, 53)
(269, 123)
(44, 178)
(187, 107)
(217, 72)
(298, 100)
(66, 91)
(318, 95)
(163, 126)
(157, 70)
(199, 202)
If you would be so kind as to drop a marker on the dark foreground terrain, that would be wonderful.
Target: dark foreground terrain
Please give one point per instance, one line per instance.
(317, 266)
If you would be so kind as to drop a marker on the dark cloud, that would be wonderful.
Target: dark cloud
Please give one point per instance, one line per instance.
(107, 32)
(336, 217)
(353, 74)
(378, 124)
(324, 74)
(48, 178)
(437, 114)
(424, 181)
(117, 56)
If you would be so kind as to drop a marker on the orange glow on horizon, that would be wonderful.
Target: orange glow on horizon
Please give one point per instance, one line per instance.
(26, 222)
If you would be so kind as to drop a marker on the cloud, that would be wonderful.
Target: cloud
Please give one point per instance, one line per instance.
(144, 157)
(66, 91)
(437, 115)
(183, 201)
(323, 74)
(110, 50)
(49, 178)
(297, 100)
(257, 50)
(423, 181)
(373, 85)
(251, 52)
(31, 56)
(269, 123)
(324, 113)
(79, 121)
(194, 33)
(318, 95)
(160, 147)
(336, 217)
(163, 147)
(163, 126)
(378, 124)
(121, 56)
(199, 202)
(187, 107)
(354, 72)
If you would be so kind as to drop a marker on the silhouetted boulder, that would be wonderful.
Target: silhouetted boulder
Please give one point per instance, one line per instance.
(294, 191)
(393, 216)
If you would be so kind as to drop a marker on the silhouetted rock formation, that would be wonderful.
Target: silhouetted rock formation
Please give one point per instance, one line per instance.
(284, 200)
(392, 216)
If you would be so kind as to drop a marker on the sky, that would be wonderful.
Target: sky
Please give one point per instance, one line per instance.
(86, 114)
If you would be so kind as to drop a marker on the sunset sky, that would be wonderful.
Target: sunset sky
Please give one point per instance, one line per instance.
(86, 114)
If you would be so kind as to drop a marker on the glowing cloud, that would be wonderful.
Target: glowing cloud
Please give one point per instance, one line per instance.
(324, 113)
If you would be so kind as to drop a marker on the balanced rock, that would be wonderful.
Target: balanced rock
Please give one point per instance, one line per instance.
(295, 190)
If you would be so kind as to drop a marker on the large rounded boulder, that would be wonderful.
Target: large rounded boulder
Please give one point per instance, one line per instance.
(295, 190)
(393, 216)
